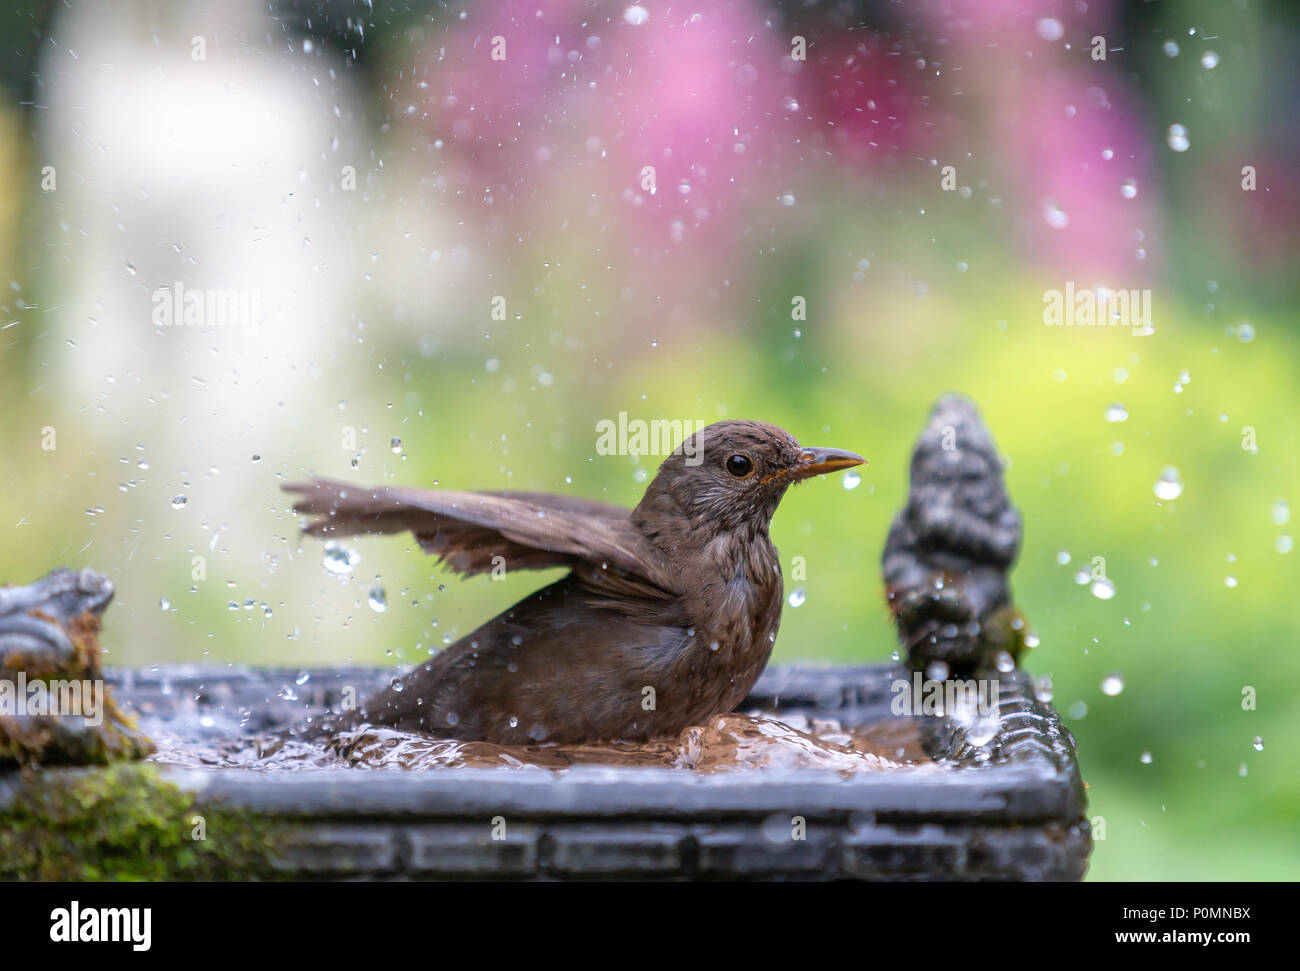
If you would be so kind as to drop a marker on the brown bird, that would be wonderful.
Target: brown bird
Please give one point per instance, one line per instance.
(667, 617)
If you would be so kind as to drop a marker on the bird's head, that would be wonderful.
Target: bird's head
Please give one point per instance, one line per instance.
(733, 474)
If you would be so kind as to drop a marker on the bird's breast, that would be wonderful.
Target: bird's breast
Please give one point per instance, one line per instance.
(737, 610)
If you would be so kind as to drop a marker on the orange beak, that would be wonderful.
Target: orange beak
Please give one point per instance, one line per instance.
(819, 461)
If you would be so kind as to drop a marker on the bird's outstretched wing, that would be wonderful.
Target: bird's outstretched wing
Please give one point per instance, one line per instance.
(469, 530)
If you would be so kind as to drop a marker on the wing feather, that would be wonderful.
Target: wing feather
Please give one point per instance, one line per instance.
(468, 530)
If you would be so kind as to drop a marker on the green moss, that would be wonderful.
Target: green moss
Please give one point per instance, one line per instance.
(125, 822)
(58, 740)
(65, 739)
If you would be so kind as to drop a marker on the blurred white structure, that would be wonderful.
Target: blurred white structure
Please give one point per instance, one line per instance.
(206, 146)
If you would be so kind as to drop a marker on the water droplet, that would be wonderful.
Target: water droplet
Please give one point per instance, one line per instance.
(1230, 582)
(636, 15)
(1129, 189)
(1177, 138)
(378, 599)
(1258, 744)
(1171, 48)
(1169, 486)
(1102, 588)
(1055, 216)
(1116, 412)
(1283, 544)
(1049, 28)
(937, 671)
(1145, 758)
(179, 501)
(1107, 154)
(396, 445)
(798, 597)
(338, 559)
(1281, 512)
(1077, 710)
(1005, 662)
(788, 199)
(852, 480)
(1209, 60)
(164, 604)
(1112, 684)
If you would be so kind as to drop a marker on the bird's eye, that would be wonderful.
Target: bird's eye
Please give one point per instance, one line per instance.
(739, 466)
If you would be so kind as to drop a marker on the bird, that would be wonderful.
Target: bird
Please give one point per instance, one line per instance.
(666, 618)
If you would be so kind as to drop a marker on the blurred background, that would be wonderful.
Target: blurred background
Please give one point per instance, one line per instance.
(454, 260)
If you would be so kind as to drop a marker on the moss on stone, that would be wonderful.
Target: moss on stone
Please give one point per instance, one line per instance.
(66, 738)
(125, 822)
